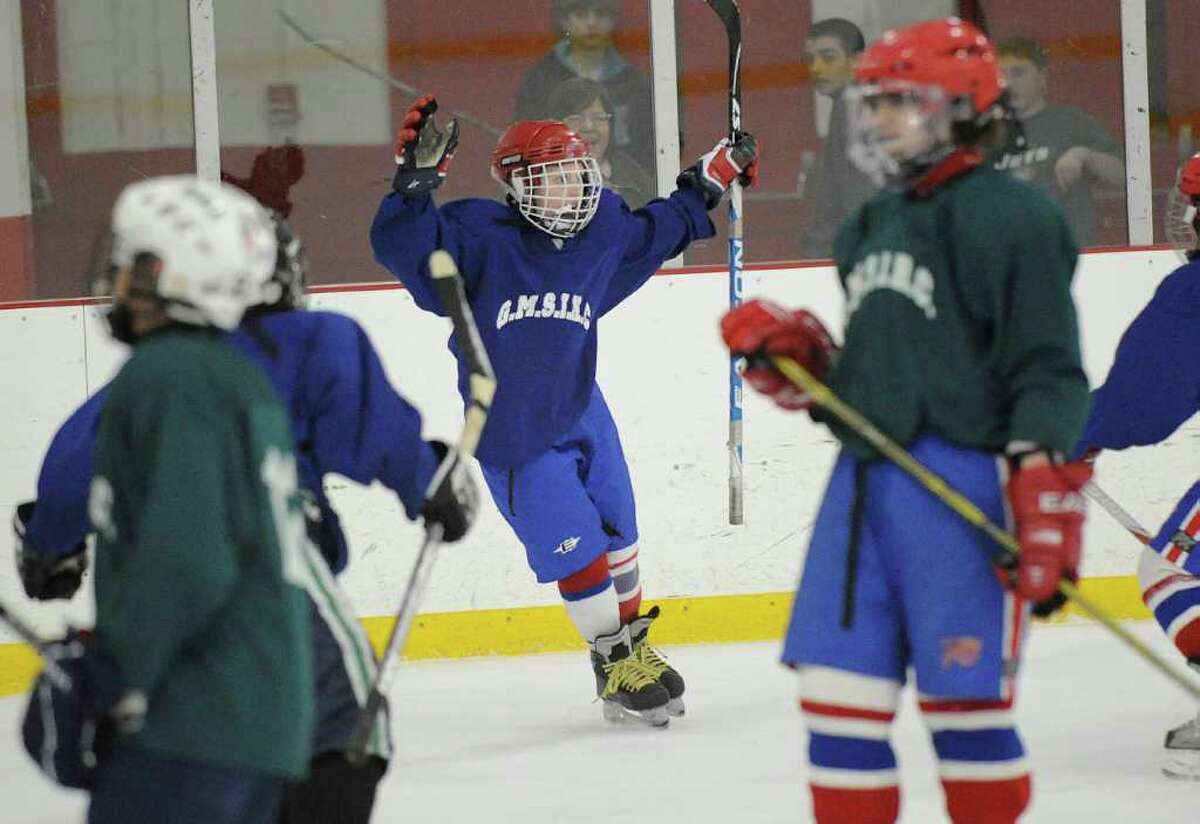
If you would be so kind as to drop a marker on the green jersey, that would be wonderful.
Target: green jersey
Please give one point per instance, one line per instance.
(959, 317)
(197, 581)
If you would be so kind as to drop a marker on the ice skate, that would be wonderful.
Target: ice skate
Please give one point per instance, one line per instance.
(626, 687)
(1182, 761)
(653, 660)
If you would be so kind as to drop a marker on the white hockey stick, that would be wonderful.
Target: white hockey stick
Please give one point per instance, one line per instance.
(731, 18)
(482, 387)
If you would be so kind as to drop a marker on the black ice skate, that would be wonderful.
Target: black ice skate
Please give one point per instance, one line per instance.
(627, 688)
(653, 660)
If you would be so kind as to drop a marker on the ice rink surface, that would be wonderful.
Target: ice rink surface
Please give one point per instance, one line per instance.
(518, 740)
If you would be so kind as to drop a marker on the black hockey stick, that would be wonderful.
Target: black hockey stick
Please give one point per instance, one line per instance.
(53, 671)
(308, 38)
(963, 506)
(731, 18)
(482, 386)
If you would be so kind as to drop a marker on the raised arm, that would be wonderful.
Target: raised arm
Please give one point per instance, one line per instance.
(662, 229)
(408, 226)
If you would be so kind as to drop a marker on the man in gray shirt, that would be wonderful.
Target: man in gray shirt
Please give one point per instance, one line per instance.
(1067, 153)
(837, 186)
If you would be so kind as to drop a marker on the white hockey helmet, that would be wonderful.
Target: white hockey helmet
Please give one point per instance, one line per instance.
(214, 246)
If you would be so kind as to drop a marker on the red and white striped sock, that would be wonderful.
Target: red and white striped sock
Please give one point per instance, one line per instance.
(591, 600)
(623, 567)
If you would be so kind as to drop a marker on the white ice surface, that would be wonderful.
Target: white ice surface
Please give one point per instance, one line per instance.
(518, 740)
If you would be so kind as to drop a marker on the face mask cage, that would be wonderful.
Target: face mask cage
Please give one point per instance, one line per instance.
(897, 130)
(1179, 222)
(560, 197)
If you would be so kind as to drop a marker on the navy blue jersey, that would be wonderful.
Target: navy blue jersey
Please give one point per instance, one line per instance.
(345, 416)
(1154, 383)
(536, 298)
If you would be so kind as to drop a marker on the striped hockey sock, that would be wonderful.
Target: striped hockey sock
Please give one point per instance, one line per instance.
(623, 567)
(982, 760)
(852, 767)
(591, 600)
(1173, 595)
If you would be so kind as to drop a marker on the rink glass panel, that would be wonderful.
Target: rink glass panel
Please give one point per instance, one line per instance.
(108, 101)
(782, 107)
(1172, 26)
(275, 88)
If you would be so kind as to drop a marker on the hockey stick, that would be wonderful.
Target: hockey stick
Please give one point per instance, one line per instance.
(731, 18)
(482, 386)
(53, 671)
(308, 38)
(962, 506)
(1117, 512)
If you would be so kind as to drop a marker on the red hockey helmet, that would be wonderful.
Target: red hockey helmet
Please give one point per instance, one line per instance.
(550, 174)
(1180, 218)
(919, 92)
(950, 54)
(1189, 176)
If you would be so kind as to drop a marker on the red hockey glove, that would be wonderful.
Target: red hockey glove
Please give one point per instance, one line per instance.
(762, 327)
(423, 152)
(1048, 508)
(715, 172)
(275, 171)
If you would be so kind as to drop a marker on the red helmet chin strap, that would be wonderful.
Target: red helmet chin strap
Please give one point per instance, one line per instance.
(959, 161)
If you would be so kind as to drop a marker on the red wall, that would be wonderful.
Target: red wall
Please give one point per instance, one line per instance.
(474, 62)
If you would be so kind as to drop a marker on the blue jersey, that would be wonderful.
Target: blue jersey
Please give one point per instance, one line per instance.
(345, 416)
(536, 298)
(1154, 383)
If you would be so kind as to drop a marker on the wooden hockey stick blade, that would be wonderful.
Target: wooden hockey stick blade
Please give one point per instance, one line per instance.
(482, 388)
(965, 508)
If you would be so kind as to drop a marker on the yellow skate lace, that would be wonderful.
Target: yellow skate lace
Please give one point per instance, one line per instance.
(651, 659)
(629, 674)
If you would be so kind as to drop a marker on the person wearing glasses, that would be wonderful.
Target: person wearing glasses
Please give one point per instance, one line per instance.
(586, 110)
(586, 49)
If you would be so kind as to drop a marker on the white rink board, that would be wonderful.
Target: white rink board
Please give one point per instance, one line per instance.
(664, 373)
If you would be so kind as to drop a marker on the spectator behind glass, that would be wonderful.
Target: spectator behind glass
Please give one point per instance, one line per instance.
(1067, 153)
(584, 107)
(837, 187)
(585, 49)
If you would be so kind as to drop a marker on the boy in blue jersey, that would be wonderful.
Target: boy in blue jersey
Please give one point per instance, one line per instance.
(345, 418)
(540, 270)
(1152, 388)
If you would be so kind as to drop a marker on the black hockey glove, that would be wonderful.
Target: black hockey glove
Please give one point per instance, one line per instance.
(423, 153)
(452, 498)
(46, 577)
(68, 730)
(715, 172)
